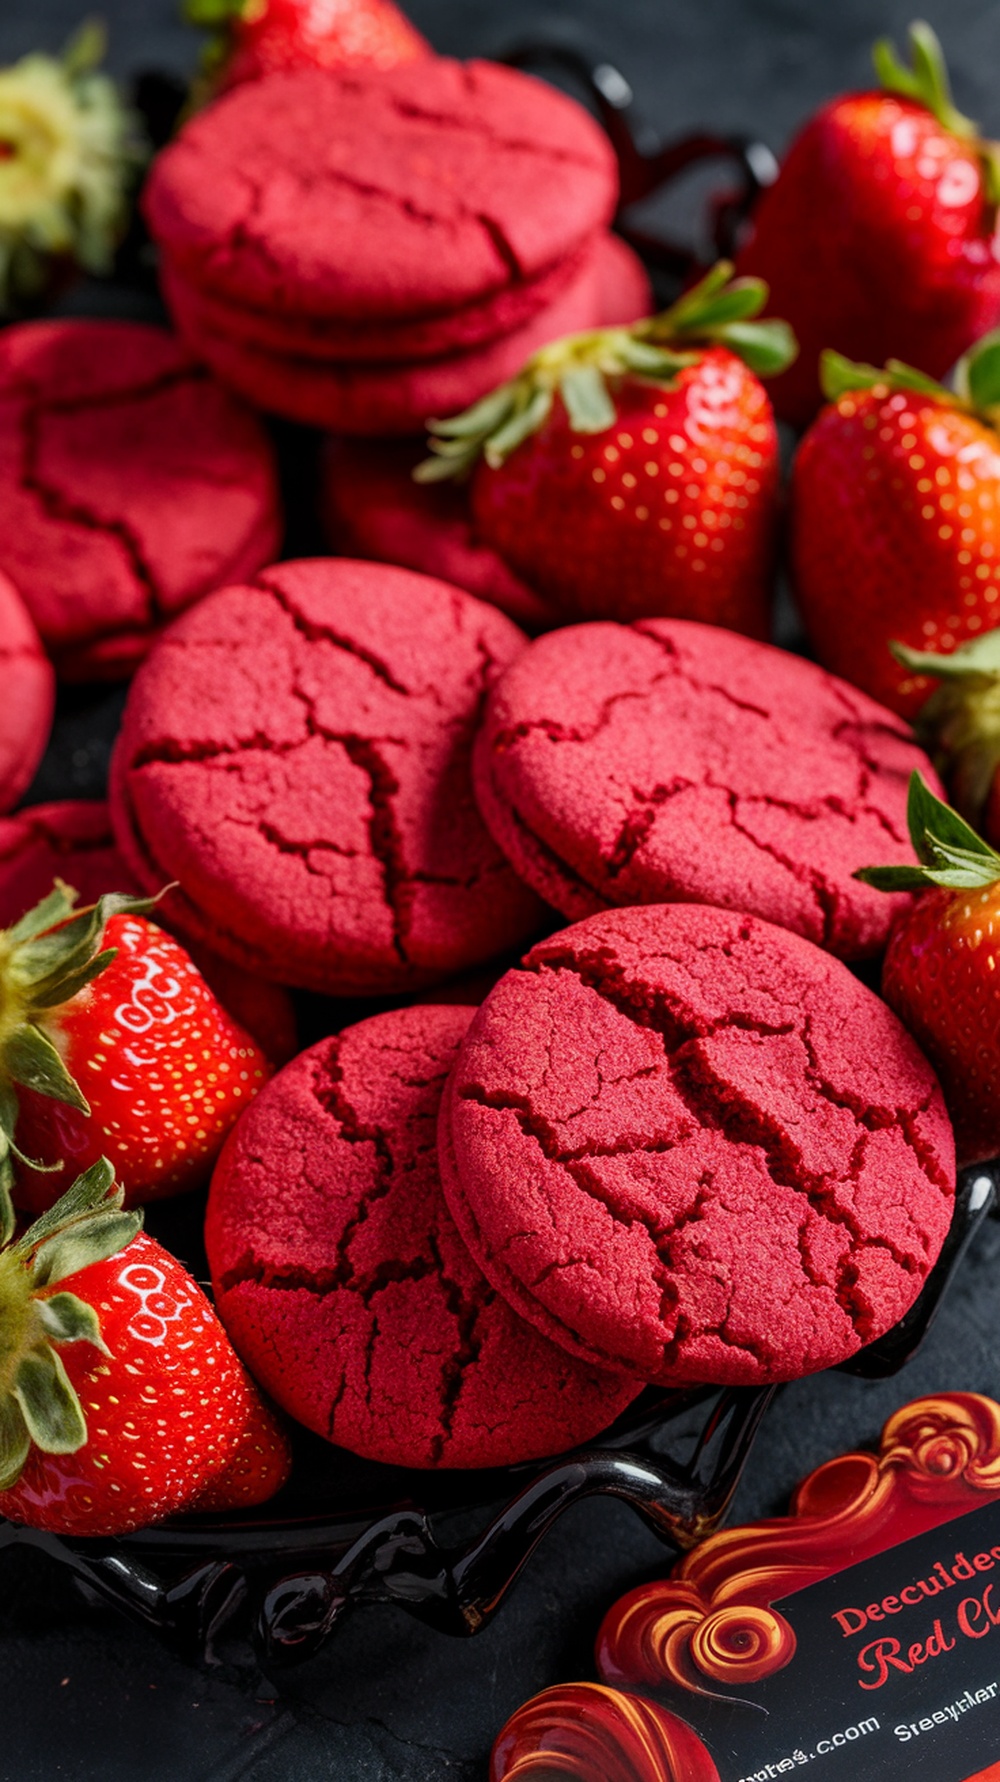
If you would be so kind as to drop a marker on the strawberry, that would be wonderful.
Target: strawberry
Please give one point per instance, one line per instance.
(878, 235)
(257, 37)
(111, 1041)
(634, 471)
(895, 518)
(121, 1400)
(940, 969)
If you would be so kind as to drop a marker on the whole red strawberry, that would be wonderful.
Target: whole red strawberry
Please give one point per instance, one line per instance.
(111, 1043)
(878, 235)
(895, 519)
(634, 472)
(121, 1399)
(258, 37)
(940, 972)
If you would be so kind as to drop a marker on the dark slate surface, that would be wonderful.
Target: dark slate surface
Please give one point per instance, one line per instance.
(86, 1698)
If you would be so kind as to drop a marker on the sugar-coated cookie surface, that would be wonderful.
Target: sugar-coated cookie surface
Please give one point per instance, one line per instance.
(608, 287)
(365, 194)
(684, 1141)
(344, 1284)
(296, 753)
(668, 760)
(29, 696)
(130, 484)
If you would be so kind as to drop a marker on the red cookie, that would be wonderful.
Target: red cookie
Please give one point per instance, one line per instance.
(688, 1143)
(296, 754)
(73, 841)
(344, 1284)
(130, 484)
(373, 508)
(368, 196)
(29, 696)
(376, 399)
(381, 342)
(668, 761)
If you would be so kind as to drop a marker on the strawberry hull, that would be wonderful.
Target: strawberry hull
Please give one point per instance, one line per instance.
(670, 513)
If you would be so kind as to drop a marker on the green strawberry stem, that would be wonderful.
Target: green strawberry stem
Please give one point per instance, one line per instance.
(977, 379)
(925, 81)
(46, 959)
(718, 310)
(950, 853)
(959, 725)
(38, 1404)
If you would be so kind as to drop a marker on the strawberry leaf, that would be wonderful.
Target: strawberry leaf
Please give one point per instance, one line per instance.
(91, 1241)
(30, 1058)
(700, 313)
(839, 376)
(15, 1442)
(978, 374)
(52, 992)
(56, 907)
(90, 1190)
(49, 1405)
(585, 395)
(67, 1319)
(767, 347)
(519, 428)
(895, 878)
(934, 826)
(907, 377)
(978, 659)
(950, 853)
(926, 79)
(481, 419)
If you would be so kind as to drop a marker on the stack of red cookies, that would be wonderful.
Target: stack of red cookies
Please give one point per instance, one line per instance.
(360, 249)
(679, 1141)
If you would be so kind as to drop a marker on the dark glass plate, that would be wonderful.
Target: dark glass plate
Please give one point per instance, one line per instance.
(446, 1546)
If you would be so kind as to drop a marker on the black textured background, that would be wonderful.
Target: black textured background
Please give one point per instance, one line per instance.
(85, 1697)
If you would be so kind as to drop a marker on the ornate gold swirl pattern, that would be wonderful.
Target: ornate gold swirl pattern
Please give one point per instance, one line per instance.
(589, 1733)
(711, 1623)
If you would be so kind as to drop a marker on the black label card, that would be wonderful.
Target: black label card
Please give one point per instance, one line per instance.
(895, 1675)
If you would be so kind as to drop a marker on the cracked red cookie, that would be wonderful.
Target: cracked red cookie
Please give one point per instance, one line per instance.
(373, 508)
(29, 696)
(374, 342)
(344, 1284)
(671, 761)
(130, 484)
(73, 840)
(296, 753)
(610, 287)
(685, 1142)
(371, 196)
